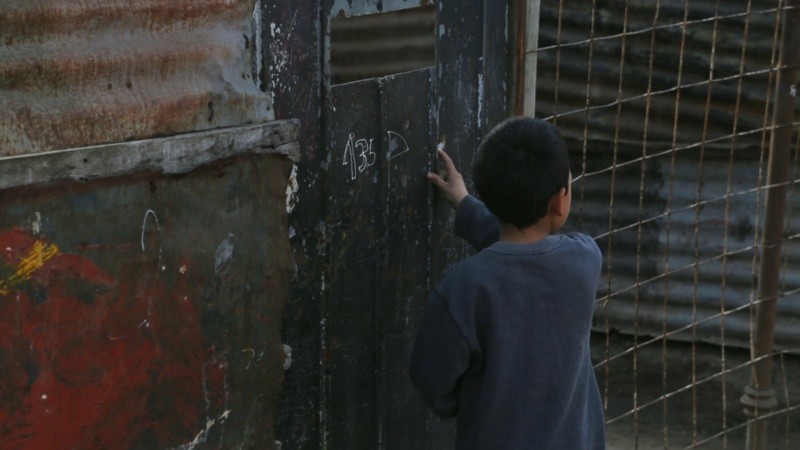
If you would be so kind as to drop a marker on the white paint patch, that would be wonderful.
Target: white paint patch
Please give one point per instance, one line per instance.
(224, 254)
(256, 34)
(44, 396)
(36, 225)
(291, 190)
(480, 98)
(280, 56)
(292, 232)
(442, 30)
(201, 437)
(287, 360)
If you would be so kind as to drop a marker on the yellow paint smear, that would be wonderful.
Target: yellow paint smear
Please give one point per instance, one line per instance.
(39, 254)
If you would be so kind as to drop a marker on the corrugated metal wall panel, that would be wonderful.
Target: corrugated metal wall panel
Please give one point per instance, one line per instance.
(351, 8)
(570, 51)
(382, 44)
(76, 73)
(694, 256)
(680, 257)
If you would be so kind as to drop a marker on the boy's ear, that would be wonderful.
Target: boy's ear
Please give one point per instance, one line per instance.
(559, 207)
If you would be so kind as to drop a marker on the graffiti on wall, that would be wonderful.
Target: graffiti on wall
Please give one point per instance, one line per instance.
(94, 359)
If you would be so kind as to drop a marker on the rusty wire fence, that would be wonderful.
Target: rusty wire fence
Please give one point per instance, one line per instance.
(669, 109)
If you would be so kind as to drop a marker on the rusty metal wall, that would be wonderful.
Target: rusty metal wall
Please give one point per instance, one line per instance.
(145, 261)
(690, 273)
(143, 309)
(77, 72)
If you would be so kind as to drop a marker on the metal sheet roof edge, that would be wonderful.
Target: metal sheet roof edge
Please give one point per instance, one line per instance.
(169, 155)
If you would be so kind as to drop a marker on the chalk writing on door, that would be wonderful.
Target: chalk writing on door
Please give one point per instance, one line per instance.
(359, 154)
(397, 145)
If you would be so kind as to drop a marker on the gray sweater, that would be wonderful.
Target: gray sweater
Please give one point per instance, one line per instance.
(503, 344)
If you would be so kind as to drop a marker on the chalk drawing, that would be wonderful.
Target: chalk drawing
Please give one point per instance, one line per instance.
(362, 148)
(148, 213)
(252, 356)
(397, 145)
(359, 154)
(366, 154)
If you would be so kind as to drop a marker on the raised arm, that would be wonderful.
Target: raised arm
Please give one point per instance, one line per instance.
(474, 222)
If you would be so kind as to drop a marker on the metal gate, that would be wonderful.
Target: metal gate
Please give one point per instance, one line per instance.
(379, 223)
(368, 233)
(384, 227)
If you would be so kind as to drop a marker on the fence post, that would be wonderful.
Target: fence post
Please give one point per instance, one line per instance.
(759, 397)
(526, 44)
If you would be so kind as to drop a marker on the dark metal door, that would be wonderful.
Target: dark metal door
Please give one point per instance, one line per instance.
(387, 234)
(379, 221)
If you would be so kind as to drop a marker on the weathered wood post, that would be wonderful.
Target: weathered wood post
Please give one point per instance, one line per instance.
(531, 45)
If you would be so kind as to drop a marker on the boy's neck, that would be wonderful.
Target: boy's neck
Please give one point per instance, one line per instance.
(527, 235)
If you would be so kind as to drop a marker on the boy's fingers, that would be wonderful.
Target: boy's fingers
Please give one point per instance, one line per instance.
(448, 163)
(436, 180)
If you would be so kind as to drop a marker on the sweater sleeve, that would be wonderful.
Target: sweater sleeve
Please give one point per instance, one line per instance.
(475, 223)
(439, 357)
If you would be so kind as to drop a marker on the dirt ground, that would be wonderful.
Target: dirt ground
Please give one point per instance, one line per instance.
(698, 411)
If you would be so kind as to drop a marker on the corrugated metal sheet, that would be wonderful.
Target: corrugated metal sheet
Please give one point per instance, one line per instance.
(350, 8)
(569, 55)
(382, 44)
(78, 72)
(689, 269)
(692, 259)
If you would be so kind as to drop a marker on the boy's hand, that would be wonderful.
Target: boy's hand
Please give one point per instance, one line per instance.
(450, 183)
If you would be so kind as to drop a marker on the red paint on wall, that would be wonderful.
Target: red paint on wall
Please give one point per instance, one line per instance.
(94, 360)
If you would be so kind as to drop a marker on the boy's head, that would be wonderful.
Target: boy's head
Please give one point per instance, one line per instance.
(521, 165)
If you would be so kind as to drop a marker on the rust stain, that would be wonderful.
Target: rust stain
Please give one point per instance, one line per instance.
(78, 73)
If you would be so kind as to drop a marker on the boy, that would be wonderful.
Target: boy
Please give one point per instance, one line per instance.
(503, 344)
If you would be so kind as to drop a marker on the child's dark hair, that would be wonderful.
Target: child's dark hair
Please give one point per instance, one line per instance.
(520, 165)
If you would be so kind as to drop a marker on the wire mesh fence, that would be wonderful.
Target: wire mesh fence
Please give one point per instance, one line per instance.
(668, 111)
